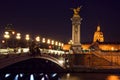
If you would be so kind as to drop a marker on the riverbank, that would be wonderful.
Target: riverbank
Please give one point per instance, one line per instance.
(92, 70)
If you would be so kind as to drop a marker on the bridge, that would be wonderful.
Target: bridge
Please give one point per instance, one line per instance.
(26, 62)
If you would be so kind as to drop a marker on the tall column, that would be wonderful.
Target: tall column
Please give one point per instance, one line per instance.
(76, 21)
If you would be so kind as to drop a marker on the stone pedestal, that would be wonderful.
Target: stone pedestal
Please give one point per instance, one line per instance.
(77, 49)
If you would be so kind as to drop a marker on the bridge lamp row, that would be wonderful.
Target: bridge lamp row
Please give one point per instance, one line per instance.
(52, 42)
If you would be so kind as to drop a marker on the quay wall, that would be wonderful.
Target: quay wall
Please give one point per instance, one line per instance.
(87, 60)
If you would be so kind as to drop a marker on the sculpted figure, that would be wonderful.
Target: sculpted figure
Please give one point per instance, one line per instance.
(76, 10)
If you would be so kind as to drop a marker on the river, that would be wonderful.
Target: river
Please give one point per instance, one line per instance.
(61, 76)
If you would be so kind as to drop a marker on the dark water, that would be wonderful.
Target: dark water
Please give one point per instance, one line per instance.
(61, 76)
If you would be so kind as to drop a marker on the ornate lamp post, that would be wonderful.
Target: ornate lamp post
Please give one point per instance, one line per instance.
(59, 44)
(43, 40)
(6, 36)
(52, 42)
(56, 45)
(37, 38)
(18, 37)
(48, 43)
(27, 38)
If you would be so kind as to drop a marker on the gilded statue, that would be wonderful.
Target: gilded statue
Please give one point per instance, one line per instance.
(76, 10)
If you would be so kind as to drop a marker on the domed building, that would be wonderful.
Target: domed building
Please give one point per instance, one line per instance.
(99, 38)
(98, 35)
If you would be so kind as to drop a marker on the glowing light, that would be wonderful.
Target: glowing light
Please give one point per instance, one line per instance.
(16, 77)
(13, 32)
(52, 42)
(43, 40)
(21, 75)
(56, 43)
(54, 75)
(68, 75)
(3, 41)
(27, 37)
(6, 32)
(59, 44)
(43, 78)
(18, 36)
(37, 39)
(113, 77)
(6, 35)
(31, 77)
(70, 42)
(61, 61)
(48, 41)
(7, 75)
(62, 44)
(112, 48)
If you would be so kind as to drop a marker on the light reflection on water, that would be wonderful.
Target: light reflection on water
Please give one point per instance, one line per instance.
(90, 76)
(62, 76)
(113, 77)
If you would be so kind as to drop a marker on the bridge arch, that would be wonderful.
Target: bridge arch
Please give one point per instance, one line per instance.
(31, 64)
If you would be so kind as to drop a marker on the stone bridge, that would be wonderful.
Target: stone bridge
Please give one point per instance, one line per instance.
(36, 63)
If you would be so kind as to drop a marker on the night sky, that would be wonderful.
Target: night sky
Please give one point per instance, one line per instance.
(51, 18)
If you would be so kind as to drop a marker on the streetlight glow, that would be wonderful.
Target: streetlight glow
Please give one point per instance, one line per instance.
(62, 44)
(56, 43)
(7, 36)
(59, 44)
(43, 40)
(6, 32)
(52, 42)
(27, 37)
(37, 39)
(18, 36)
(48, 41)
(13, 32)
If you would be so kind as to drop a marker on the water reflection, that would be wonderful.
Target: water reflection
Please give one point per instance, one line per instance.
(34, 76)
(90, 76)
(113, 77)
(60, 76)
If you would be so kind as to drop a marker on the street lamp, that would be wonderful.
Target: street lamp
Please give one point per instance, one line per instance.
(13, 32)
(62, 45)
(18, 36)
(37, 39)
(48, 41)
(43, 40)
(70, 42)
(56, 43)
(7, 36)
(27, 37)
(52, 42)
(59, 44)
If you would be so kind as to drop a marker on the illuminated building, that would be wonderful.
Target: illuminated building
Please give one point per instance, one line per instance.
(99, 38)
(98, 35)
